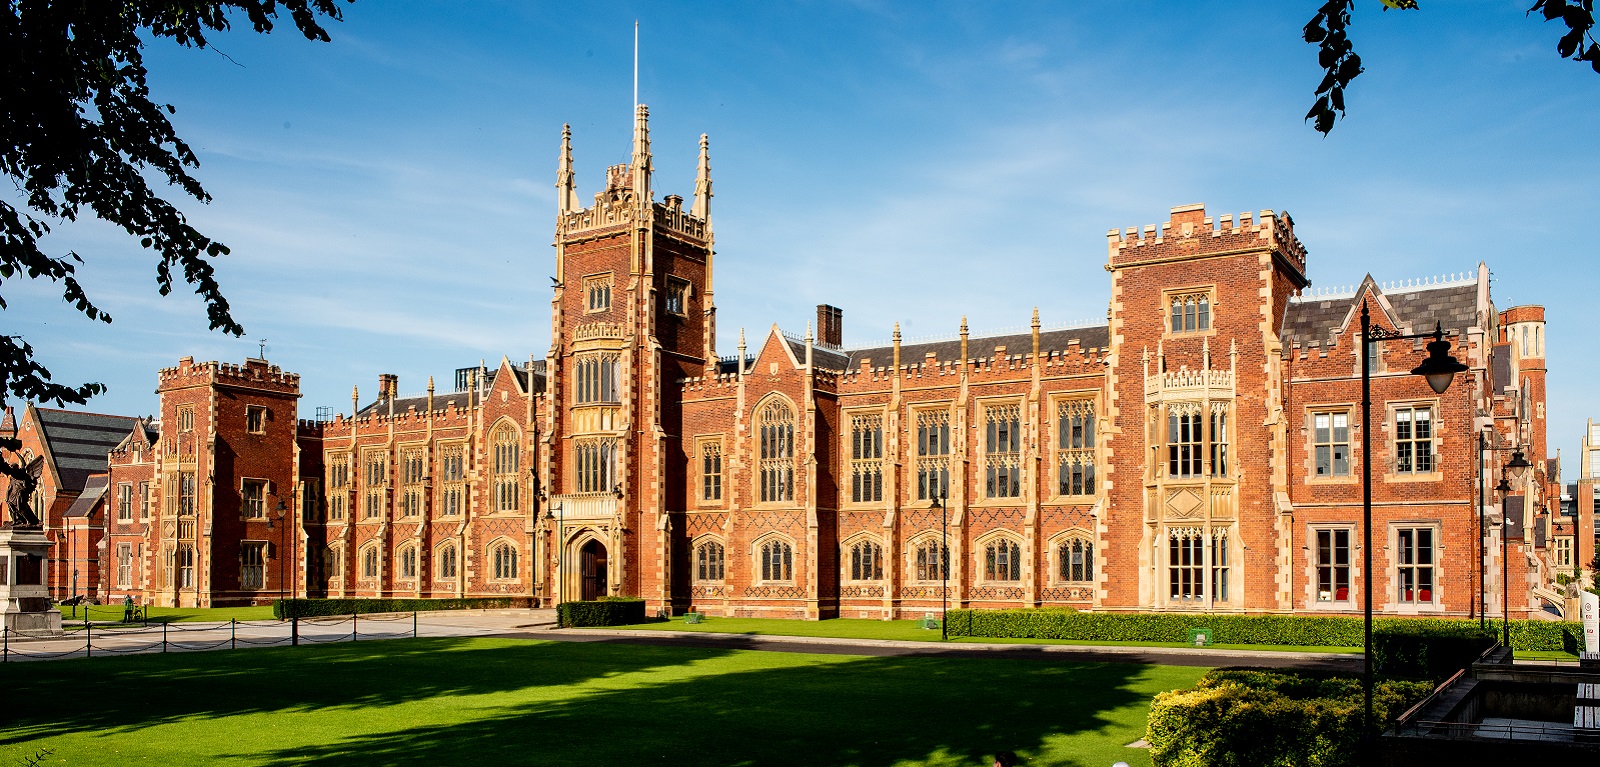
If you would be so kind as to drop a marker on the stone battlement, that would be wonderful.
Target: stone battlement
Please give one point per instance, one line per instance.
(1192, 234)
(253, 373)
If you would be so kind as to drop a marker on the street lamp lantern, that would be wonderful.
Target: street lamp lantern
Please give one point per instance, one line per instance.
(1504, 486)
(1518, 465)
(944, 566)
(1439, 368)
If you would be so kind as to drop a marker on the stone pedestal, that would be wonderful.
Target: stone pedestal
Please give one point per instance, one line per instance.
(24, 600)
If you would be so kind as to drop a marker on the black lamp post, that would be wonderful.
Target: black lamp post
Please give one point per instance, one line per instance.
(944, 567)
(292, 529)
(558, 514)
(1515, 468)
(1439, 369)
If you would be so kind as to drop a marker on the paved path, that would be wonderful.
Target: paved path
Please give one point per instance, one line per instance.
(540, 624)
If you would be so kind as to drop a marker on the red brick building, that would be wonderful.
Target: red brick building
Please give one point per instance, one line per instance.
(1201, 450)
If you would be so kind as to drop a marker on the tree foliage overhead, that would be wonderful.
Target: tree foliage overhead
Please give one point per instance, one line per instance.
(1329, 31)
(79, 133)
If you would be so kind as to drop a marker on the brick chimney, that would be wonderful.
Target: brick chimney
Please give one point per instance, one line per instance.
(388, 385)
(830, 325)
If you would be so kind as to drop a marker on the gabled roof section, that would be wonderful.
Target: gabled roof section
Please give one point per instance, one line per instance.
(525, 376)
(776, 338)
(79, 442)
(144, 434)
(94, 489)
(1412, 308)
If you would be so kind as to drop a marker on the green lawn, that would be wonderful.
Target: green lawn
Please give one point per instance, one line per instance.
(506, 701)
(167, 614)
(909, 630)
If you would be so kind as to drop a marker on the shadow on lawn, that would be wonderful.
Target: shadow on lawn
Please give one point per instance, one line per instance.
(53, 698)
(861, 711)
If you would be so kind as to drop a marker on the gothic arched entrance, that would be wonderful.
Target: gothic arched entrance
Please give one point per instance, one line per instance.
(592, 570)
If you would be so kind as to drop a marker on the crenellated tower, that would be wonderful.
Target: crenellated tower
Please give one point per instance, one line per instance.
(631, 316)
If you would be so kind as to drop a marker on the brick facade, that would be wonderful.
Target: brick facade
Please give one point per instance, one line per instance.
(1201, 451)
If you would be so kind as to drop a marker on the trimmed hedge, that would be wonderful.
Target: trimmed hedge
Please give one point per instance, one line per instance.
(1292, 630)
(605, 611)
(310, 608)
(1428, 649)
(1247, 717)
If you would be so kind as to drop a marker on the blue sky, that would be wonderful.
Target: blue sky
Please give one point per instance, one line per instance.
(389, 197)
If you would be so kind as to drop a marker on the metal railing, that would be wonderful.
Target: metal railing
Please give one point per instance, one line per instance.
(87, 640)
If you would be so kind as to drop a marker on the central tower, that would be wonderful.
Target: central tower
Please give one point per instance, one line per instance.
(631, 315)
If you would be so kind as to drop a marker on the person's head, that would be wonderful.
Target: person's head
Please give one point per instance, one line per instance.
(1005, 759)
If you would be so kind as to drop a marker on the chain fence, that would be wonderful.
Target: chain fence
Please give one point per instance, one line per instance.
(89, 639)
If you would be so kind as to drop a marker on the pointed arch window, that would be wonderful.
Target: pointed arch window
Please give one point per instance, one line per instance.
(407, 562)
(1076, 557)
(775, 434)
(503, 557)
(709, 561)
(866, 561)
(369, 562)
(777, 561)
(1002, 560)
(507, 462)
(447, 561)
(931, 560)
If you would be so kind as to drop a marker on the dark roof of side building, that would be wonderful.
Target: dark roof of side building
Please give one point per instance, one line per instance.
(80, 441)
(982, 347)
(1455, 307)
(93, 490)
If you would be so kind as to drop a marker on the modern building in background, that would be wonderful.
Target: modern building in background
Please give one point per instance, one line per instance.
(1200, 450)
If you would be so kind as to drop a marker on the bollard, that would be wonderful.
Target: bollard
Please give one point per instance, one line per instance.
(353, 618)
(88, 636)
(163, 637)
(5, 640)
(413, 624)
(233, 633)
(294, 631)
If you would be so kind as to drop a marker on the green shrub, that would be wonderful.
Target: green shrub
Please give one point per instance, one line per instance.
(1239, 717)
(1290, 630)
(605, 611)
(1428, 649)
(309, 608)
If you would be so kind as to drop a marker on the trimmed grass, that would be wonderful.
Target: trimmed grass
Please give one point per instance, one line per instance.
(507, 701)
(1545, 655)
(908, 630)
(113, 613)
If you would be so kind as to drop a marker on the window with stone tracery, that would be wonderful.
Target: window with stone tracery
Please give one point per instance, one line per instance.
(1198, 567)
(1002, 451)
(777, 561)
(933, 454)
(775, 435)
(1219, 440)
(1075, 455)
(1076, 559)
(1002, 560)
(507, 464)
(866, 561)
(710, 564)
(710, 471)
(452, 473)
(595, 378)
(866, 458)
(1184, 441)
(930, 559)
(1189, 312)
(596, 464)
(597, 293)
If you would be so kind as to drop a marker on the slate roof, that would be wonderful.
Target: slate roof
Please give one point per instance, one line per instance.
(1453, 306)
(93, 490)
(79, 441)
(1094, 336)
(442, 399)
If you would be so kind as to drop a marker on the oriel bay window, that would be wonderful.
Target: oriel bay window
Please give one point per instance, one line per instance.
(1075, 447)
(933, 454)
(1198, 565)
(595, 378)
(596, 465)
(1219, 440)
(866, 458)
(1184, 442)
(1414, 565)
(1002, 450)
(775, 435)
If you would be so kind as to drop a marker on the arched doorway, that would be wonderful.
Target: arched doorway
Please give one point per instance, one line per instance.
(592, 570)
